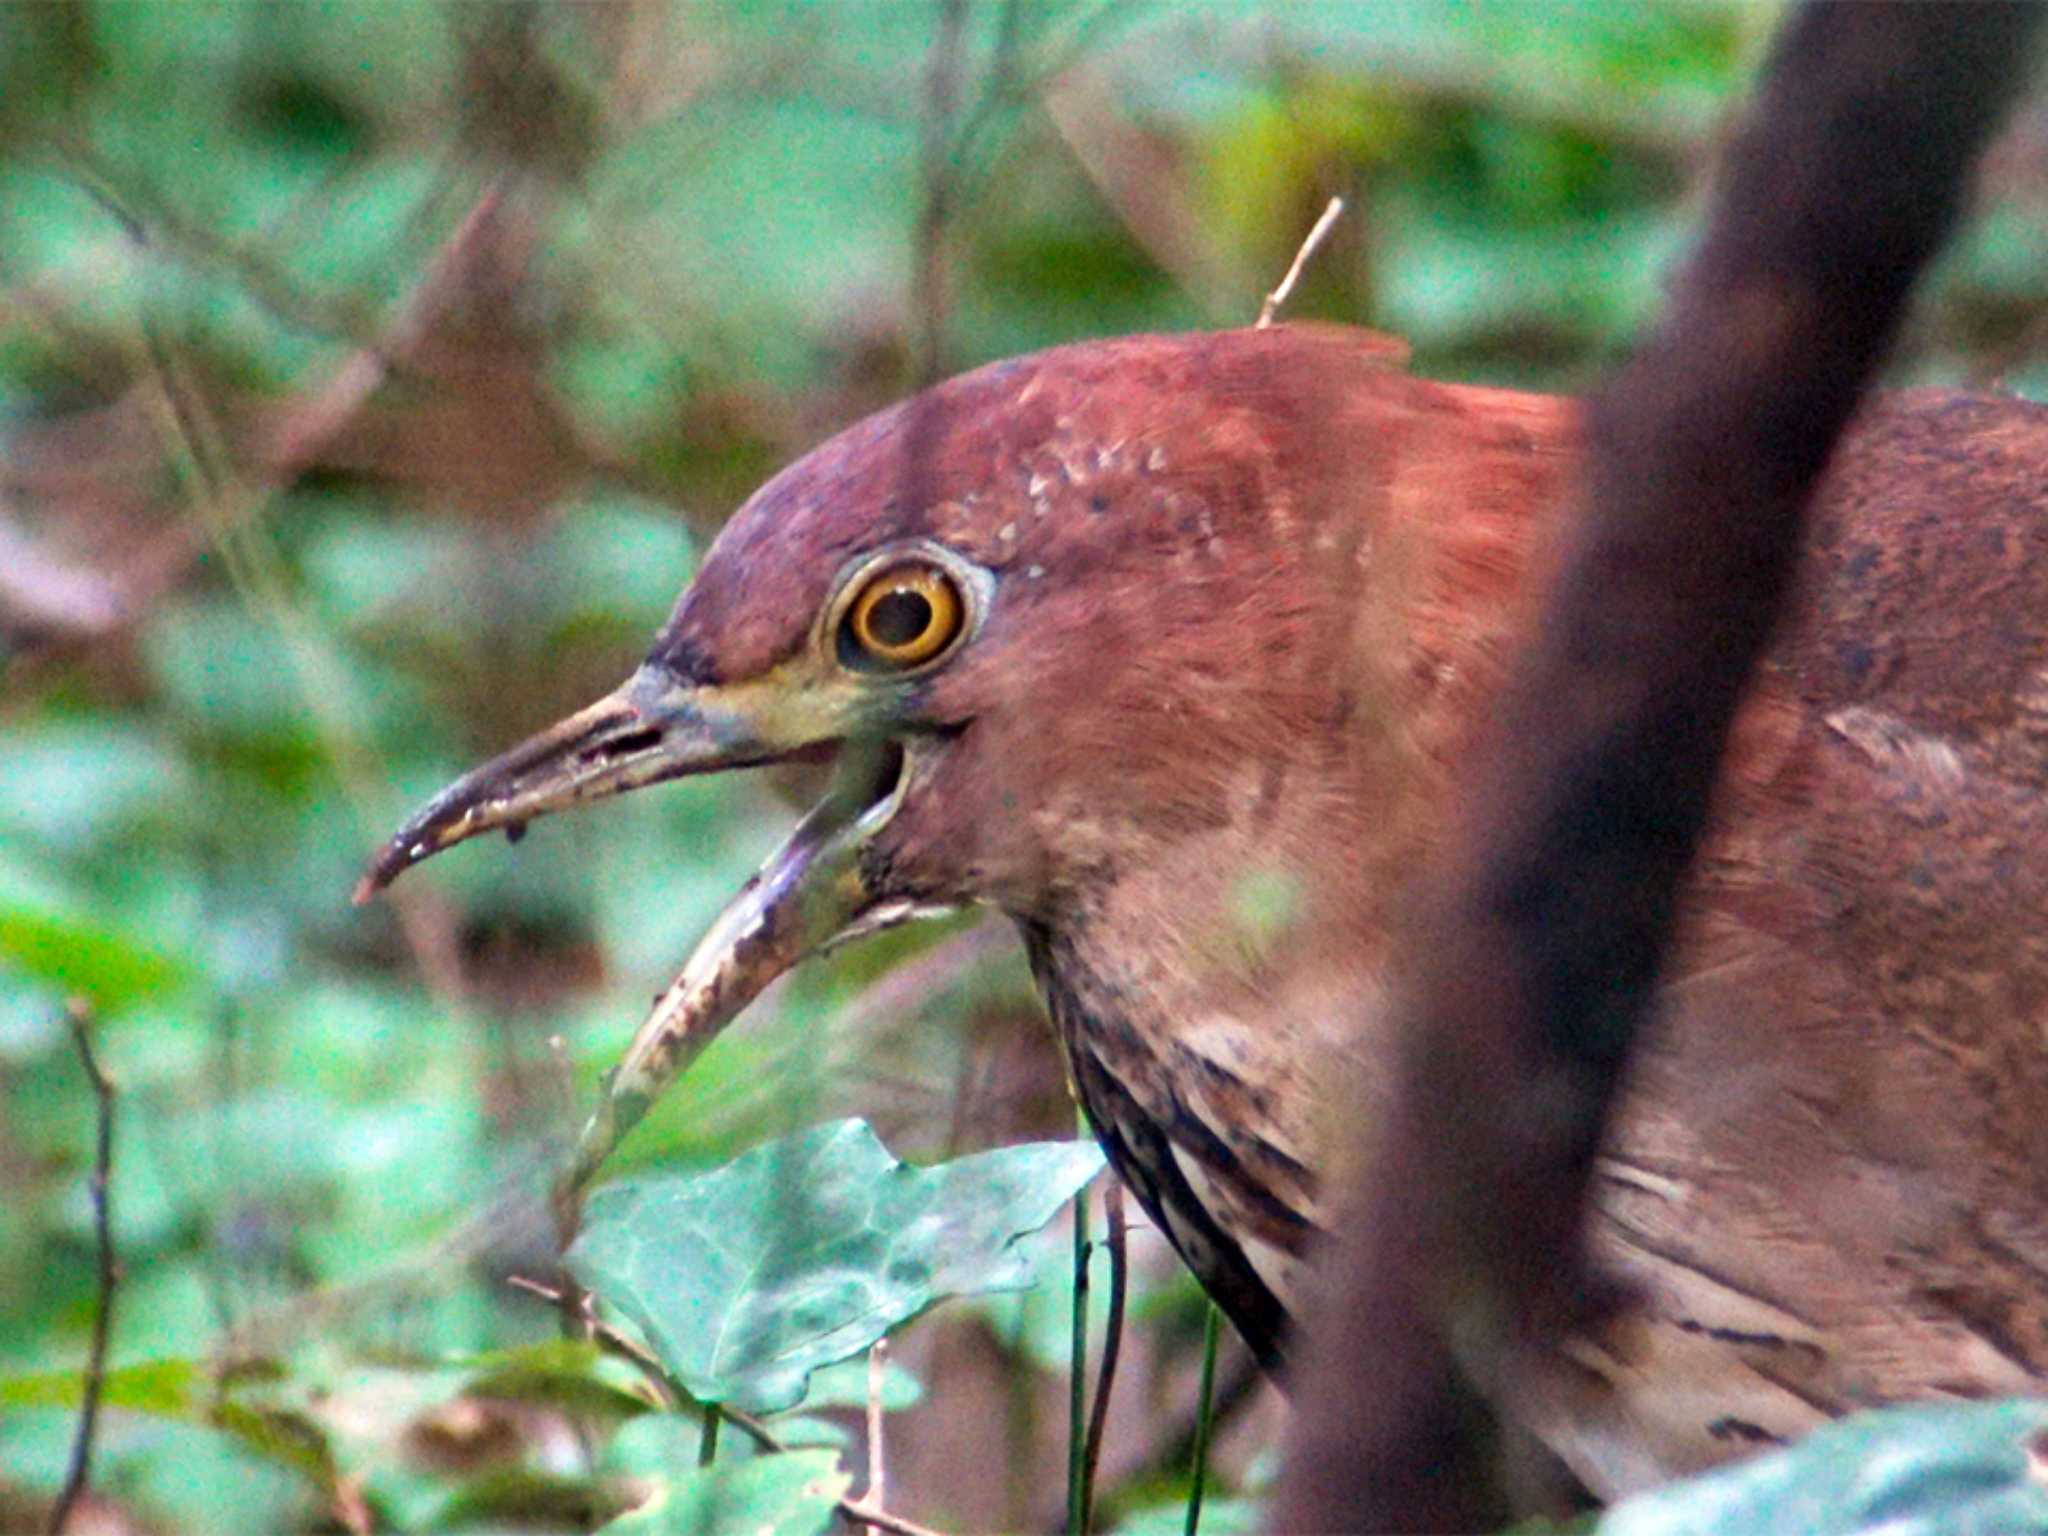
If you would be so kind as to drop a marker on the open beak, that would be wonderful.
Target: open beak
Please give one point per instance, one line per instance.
(645, 732)
(810, 895)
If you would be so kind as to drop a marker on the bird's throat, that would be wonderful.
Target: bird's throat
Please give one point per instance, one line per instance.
(1190, 1135)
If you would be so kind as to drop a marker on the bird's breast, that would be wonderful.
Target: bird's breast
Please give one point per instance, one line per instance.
(1194, 1128)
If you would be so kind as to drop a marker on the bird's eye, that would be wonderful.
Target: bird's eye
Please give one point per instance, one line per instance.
(903, 617)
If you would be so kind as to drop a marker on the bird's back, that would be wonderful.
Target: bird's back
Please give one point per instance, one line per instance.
(1830, 1180)
(1826, 1183)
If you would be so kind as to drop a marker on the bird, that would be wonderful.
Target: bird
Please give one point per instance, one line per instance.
(1176, 650)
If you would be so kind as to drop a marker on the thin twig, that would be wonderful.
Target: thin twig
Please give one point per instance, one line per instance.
(228, 501)
(878, 1469)
(1240, 1382)
(1148, 190)
(1205, 1420)
(80, 1015)
(602, 1334)
(71, 603)
(1077, 1380)
(882, 1520)
(1315, 238)
(1113, 1330)
(562, 1080)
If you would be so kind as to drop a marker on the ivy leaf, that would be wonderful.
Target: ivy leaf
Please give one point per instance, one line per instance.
(1953, 1469)
(805, 1251)
(789, 1495)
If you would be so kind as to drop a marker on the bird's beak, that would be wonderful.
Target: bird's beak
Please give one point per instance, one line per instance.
(646, 731)
(811, 893)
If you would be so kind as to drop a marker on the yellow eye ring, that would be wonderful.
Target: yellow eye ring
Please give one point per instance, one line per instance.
(904, 616)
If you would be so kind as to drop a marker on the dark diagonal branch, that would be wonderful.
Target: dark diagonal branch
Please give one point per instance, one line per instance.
(1545, 929)
(42, 596)
(80, 1470)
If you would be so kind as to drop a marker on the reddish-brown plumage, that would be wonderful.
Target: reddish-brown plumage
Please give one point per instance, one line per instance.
(1239, 603)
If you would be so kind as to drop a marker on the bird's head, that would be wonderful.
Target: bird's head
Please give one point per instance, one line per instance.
(1047, 617)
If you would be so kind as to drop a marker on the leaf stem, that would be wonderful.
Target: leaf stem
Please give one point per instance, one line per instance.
(80, 1469)
(1204, 1420)
(707, 1444)
(1077, 1383)
(1113, 1328)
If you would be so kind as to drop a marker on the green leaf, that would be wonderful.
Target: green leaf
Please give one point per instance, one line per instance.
(846, 1386)
(170, 1389)
(806, 1250)
(1976, 1469)
(181, 1390)
(792, 1495)
(572, 1374)
(1220, 1517)
(62, 939)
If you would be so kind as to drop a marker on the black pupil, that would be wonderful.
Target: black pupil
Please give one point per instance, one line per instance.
(899, 618)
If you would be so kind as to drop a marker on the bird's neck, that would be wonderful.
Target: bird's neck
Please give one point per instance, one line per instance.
(1263, 910)
(1301, 789)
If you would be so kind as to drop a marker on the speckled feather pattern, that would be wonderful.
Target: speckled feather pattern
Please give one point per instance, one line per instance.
(1253, 595)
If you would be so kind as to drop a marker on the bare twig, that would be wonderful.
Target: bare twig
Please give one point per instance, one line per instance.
(1077, 1380)
(1148, 190)
(576, 1315)
(80, 1015)
(136, 205)
(882, 1520)
(1205, 1419)
(562, 1081)
(1279, 295)
(878, 1471)
(37, 591)
(606, 1337)
(228, 500)
(1118, 1245)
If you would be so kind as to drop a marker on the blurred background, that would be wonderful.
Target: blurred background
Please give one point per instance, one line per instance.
(370, 376)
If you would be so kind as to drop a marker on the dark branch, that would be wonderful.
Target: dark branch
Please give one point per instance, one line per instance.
(1545, 931)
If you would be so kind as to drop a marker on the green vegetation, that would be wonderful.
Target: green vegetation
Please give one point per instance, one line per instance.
(369, 375)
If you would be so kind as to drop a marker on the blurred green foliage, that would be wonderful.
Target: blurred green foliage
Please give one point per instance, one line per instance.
(247, 620)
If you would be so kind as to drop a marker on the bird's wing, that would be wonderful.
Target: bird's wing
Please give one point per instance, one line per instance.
(1827, 1182)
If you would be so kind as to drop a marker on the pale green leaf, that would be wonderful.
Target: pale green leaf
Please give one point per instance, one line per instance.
(1975, 1469)
(805, 1251)
(792, 1495)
